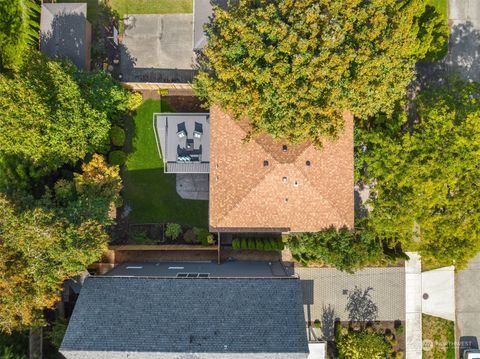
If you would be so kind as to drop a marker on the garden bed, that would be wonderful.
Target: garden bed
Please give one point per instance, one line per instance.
(170, 234)
(393, 333)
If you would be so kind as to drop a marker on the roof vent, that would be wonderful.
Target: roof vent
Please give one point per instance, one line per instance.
(265, 163)
(284, 148)
(286, 199)
(295, 184)
(284, 179)
(308, 163)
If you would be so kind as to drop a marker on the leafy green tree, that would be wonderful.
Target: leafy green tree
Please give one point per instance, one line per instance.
(425, 175)
(432, 37)
(363, 344)
(18, 30)
(291, 67)
(38, 251)
(347, 250)
(45, 120)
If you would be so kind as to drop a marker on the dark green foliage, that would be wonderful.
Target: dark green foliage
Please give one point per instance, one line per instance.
(243, 243)
(236, 243)
(347, 250)
(117, 157)
(57, 331)
(189, 236)
(142, 238)
(117, 136)
(258, 243)
(45, 121)
(202, 235)
(266, 246)
(14, 346)
(106, 95)
(426, 177)
(173, 231)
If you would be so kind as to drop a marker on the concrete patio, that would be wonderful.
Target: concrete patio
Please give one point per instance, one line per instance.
(193, 185)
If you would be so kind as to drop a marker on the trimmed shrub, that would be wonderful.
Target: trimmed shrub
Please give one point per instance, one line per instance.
(251, 243)
(202, 235)
(243, 243)
(259, 244)
(117, 158)
(117, 136)
(267, 246)
(173, 231)
(189, 236)
(236, 244)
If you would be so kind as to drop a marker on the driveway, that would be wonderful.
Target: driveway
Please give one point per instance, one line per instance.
(157, 48)
(464, 46)
(468, 300)
(326, 292)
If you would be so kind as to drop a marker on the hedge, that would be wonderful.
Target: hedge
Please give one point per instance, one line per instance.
(260, 244)
(117, 136)
(117, 158)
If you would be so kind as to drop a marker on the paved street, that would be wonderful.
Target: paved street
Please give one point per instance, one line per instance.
(468, 300)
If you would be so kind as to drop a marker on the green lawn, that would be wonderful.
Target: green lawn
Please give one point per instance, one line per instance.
(441, 6)
(148, 191)
(151, 6)
(441, 334)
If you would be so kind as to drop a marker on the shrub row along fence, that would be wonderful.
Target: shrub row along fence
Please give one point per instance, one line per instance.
(259, 244)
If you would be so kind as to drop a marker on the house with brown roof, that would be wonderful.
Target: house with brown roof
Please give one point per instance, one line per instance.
(266, 185)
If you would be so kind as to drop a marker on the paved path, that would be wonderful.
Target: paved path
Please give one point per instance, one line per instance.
(464, 46)
(413, 307)
(468, 300)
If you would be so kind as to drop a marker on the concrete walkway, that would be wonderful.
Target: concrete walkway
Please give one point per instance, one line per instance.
(464, 45)
(413, 307)
(468, 300)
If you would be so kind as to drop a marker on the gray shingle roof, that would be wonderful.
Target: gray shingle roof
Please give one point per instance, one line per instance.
(119, 317)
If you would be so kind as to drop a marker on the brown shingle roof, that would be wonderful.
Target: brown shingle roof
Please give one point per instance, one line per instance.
(245, 195)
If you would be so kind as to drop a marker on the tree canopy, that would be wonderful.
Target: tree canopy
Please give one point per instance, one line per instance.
(345, 249)
(17, 31)
(291, 67)
(425, 174)
(47, 241)
(54, 114)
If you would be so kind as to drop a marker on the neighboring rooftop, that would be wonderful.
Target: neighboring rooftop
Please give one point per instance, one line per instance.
(65, 32)
(119, 317)
(184, 140)
(268, 185)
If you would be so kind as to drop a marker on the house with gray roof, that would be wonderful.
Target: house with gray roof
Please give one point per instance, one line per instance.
(149, 311)
(183, 141)
(66, 33)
